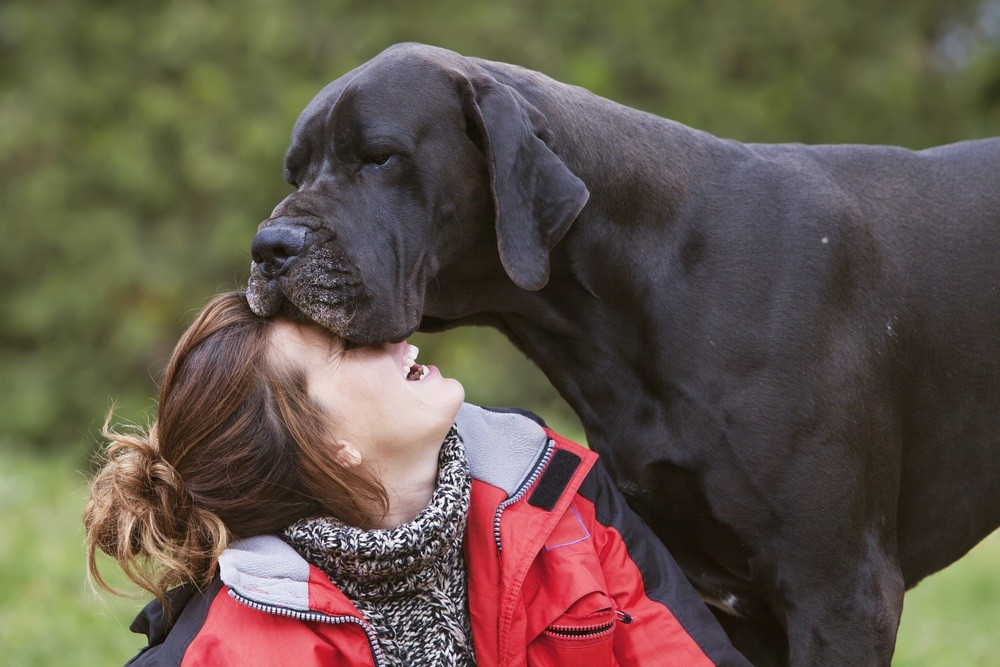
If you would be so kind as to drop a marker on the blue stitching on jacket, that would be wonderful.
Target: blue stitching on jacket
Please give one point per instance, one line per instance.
(586, 533)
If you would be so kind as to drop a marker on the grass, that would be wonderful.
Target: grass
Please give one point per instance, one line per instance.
(49, 615)
(953, 617)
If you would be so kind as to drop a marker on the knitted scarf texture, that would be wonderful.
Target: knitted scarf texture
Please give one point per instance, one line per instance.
(408, 582)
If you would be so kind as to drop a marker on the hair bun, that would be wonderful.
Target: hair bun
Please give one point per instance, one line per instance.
(143, 479)
(141, 514)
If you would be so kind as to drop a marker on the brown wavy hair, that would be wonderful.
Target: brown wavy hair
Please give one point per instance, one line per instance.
(237, 449)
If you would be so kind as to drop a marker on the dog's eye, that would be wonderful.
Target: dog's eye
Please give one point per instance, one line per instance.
(378, 159)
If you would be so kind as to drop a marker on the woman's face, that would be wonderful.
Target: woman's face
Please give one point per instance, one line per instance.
(381, 403)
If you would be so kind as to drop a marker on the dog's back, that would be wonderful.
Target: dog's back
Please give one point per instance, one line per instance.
(923, 232)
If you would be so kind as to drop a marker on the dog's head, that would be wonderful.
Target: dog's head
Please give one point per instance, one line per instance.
(403, 168)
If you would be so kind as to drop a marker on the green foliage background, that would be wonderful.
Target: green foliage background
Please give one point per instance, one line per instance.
(141, 142)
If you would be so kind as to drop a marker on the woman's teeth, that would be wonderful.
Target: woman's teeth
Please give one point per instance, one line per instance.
(413, 371)
(417, 373)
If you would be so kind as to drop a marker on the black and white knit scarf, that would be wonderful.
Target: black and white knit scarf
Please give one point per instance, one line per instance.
(408, 582)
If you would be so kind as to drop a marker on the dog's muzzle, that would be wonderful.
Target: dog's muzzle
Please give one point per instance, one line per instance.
(300, 271)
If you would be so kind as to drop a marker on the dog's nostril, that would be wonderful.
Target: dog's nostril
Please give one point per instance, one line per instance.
(271, 254)
(274, 246)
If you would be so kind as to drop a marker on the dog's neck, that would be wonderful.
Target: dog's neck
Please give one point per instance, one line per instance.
(582, 329)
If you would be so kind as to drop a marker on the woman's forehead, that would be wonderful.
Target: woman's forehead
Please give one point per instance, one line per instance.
(296, 339)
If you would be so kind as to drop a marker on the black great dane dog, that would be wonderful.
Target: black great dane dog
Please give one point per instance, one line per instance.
(787, 355)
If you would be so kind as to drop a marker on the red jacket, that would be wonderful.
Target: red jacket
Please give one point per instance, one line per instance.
(560, 572)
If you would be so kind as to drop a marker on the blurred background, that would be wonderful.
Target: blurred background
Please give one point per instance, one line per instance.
(141, 143)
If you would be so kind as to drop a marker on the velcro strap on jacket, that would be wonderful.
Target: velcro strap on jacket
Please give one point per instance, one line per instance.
(554, 480)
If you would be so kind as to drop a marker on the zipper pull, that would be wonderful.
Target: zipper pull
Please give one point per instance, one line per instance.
(623, 616)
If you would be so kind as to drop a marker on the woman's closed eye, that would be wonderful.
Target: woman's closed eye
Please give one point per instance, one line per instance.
(351, 346)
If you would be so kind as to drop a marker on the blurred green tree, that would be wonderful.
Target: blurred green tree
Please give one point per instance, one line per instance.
(141, 142)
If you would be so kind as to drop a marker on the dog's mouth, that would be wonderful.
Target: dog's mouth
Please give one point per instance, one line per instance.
(323, 288)
(318, 290)
(321, 283)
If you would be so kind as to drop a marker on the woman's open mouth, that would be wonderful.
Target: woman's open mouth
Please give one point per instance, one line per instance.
(413, 371)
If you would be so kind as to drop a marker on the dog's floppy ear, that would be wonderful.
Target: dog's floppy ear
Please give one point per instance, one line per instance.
(535, 195)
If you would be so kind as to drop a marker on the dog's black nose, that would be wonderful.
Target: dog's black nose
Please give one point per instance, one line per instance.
(275, 247)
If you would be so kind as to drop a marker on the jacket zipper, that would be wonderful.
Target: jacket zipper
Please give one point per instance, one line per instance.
(539, 467)
(586, 631)
(580, 632)
(316, 617)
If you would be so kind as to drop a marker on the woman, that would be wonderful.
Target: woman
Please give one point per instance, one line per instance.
(303, 501)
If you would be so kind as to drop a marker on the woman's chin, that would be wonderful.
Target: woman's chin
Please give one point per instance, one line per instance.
(456, 393)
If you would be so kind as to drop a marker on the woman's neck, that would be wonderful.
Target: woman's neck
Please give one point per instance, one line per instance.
(409, 481)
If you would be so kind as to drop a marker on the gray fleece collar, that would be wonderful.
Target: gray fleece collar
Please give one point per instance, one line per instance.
(502, 448)
(265, 569)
